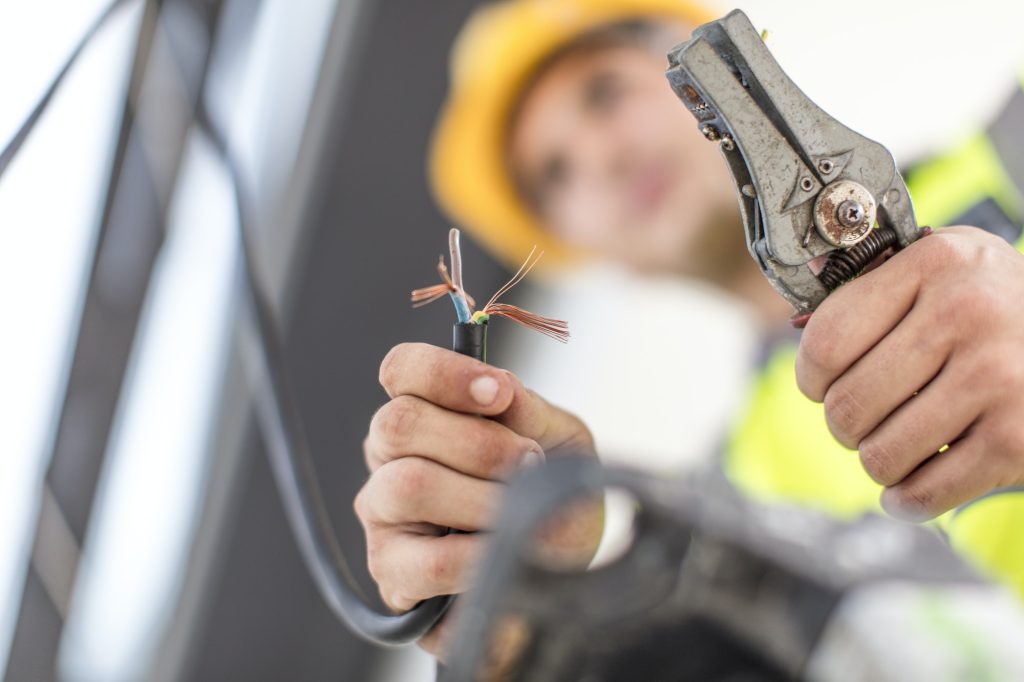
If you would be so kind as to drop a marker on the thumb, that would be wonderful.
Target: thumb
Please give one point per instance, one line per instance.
(553, 428)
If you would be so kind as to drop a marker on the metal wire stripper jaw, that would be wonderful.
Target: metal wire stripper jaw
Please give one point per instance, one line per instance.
(808, 186)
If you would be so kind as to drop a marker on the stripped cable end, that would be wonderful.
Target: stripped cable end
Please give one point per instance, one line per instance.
(556, 329)
(425, 295)
(464, 303)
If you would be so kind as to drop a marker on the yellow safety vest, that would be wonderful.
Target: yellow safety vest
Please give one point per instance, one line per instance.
(782, 449)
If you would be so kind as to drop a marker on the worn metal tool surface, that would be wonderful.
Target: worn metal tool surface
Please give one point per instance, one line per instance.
(808, 186)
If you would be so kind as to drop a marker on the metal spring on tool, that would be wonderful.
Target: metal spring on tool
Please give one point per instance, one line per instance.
(842, 265)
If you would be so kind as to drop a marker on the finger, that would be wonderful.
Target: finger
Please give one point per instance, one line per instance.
(413, 490)
(445, 378)
(409, 568)
(551, 427)
(467, 443)
(452, 380)
(909, 357)
(939, 415)
(947, 480)
(854, 318)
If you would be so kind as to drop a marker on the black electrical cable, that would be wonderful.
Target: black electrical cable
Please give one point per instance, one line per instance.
(288, 449)
(290, 456)
(470, 338)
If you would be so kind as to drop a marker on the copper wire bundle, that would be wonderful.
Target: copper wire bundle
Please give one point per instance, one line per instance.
(451, 285)
(556, 329)
(421, 297)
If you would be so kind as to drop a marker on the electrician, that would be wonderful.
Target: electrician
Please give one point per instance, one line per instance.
(560, 130)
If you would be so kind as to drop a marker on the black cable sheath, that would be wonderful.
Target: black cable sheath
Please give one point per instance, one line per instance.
(276, 408)
(470, 338)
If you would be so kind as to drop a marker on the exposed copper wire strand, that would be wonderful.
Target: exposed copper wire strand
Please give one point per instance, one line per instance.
(556, 329)
(524, 269)
(452, 285)
(426, 295)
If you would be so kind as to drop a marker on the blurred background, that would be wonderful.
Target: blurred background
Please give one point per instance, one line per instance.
(141, 535)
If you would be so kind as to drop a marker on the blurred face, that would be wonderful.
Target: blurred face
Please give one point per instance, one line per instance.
(613, 163)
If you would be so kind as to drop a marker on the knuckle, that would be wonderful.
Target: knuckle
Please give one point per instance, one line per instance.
(375, 563)
(372, 503)
(498, 451)
(976, 247)
(845, 415)
(914, 501)
(396, 599)
(405, 479)
(361, 506)
(396, 421)
(940, 250)
(879, 462)
(818, 351)
(368, 456)
(438, 568)
(374, 567)
(494, 455)
(389, 365)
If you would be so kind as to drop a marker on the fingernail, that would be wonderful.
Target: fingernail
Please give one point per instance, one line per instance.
(531, 458)
(484, 390)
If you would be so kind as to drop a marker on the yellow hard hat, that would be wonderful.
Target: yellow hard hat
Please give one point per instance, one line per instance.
(492, 60)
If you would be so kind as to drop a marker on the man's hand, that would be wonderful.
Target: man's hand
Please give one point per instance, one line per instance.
(923, 352)
(438, 451)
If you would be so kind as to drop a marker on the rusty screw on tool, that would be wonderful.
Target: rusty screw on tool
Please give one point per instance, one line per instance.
(844, 213)
(850, 213)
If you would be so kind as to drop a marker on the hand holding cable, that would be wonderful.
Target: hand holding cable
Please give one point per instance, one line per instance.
(917, 360)
(439, 452)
